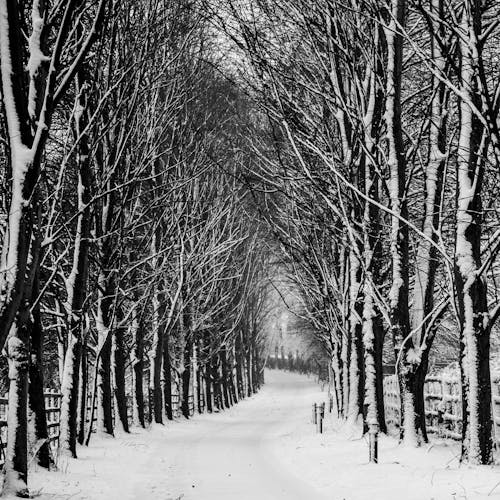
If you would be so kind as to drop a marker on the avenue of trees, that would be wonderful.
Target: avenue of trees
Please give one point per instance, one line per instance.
(132, 266)
(161, 160)
(380, 173)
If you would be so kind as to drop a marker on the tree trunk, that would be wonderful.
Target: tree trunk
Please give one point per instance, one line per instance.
(337, 378)
(68, 420)
(37, 414)
(199, 382)
(398, 297)
(373, 399)
(138, 372)
(24, 162)
(208, 386)
(471, 285)
(156, 357)
(83, 394)
(118, 361)
(415, 355)
(255, 370)
(239, 368)
(104, 396)
(224, 378)
(76, 284)
(195, 373)
(167, 378)
(249, 371)
(232, 376)
(356, 366)
(186, 375)
(217, 383)
(16, 452)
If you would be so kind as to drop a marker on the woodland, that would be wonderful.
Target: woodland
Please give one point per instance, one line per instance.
(164, 164)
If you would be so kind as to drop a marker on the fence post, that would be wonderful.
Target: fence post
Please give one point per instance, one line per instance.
(373, 443)
(314, 417)
(320, 413)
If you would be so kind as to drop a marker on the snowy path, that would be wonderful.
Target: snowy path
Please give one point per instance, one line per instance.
(229, 455)
(265, 448)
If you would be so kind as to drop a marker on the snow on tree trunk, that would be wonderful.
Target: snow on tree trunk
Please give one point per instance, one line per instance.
(372, 373)
(106, 285)
(373, 332)
(398, 297)
(69, 401)
(344, 357)
(82, 394)
(414, 358)
(233, 382)
(16, 452)
(76, 284)
(24, 163)
(356, 375)
(61, 353)
(337, 380)
(471, 286)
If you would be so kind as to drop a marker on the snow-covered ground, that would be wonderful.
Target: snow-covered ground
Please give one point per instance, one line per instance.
(265, 448)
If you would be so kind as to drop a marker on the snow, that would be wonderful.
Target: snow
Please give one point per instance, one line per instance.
(37, 57)
(21, 156)
(265, 448)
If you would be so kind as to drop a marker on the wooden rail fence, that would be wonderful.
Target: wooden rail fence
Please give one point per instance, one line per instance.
(53, 413)
(443, 406)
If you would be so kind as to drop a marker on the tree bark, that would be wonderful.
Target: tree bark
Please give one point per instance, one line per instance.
(398, 298)
(471, 285)
(83, 393)
(104, 395)
(76, 284)
(16, 452)
(356, 365)
(208, 386)
(37, 414)
(224, 378)
(239, 367)
(156, 356)
(186, 374)
(118, 361)
(138, 372)
(167, 377)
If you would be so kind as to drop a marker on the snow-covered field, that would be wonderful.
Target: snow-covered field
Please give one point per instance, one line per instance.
(263, 449)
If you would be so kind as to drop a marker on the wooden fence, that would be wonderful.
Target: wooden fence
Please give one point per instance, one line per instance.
(443, 406)
(53, 413)
(176, 407)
